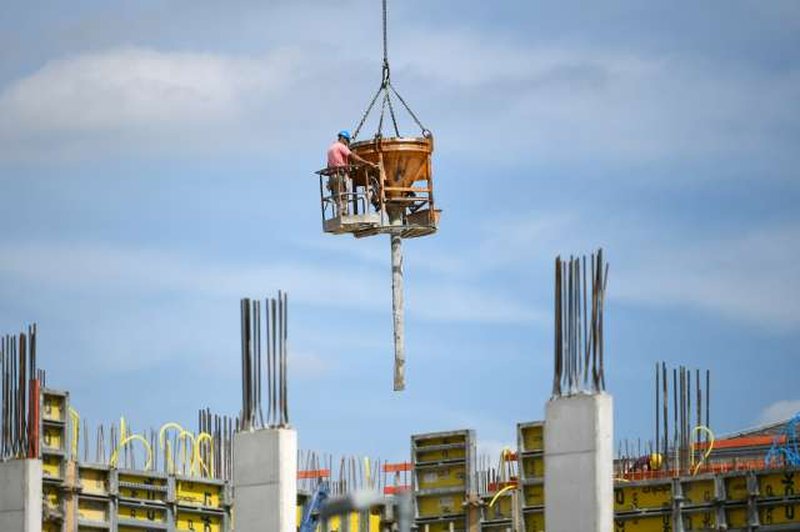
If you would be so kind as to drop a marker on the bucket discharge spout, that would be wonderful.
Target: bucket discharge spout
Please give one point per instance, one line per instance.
(397, 314)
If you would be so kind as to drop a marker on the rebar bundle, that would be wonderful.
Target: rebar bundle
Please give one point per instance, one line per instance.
(690, 420)
(682, 430)
(493, 474)
(354, 473)
(579, 352)
(219, 453)
(19, 393)
(275, 320)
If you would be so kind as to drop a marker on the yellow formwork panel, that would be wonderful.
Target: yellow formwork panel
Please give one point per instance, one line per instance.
(783, 484)
(198, 493)
(736, 488)
(700, 520)
(654, 496)
(335, 523)
(442, 526)
(133, 477)
(53, 438)
(533, 494)
(736, 517)
(495, 527)
(51, 496)
(643, 523)
(440, 455)
(433, 505)
(346, 523)
(198, 522)
(49, 526)
(699, 491)
(532, 438)
(53, 407)
(374, 522)
(534, 521)
(533, 466)
(146, 488)
(93, 481)
(779, 514)
(138, 512)
(420, 442)
(453, 476)
(93, 510)
(502, 508)
(52, 466)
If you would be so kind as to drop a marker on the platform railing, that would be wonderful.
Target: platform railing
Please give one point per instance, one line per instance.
(345, 197)
(359, 190)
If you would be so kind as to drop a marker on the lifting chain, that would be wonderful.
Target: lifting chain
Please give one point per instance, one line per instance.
(387, 89)
(385, 42)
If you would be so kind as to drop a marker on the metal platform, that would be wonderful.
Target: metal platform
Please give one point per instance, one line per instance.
(352, 201)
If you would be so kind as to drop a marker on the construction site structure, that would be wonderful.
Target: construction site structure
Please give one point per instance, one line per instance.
(530, 456)
(443, 477)
(57, 478)
(724, 494)
(244, 473)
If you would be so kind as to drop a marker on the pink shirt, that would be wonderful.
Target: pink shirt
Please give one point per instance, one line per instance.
(338, 155)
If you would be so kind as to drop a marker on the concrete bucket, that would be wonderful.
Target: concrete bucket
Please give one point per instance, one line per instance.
(405, 160)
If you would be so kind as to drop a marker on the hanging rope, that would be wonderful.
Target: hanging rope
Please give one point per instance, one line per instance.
(387, 89)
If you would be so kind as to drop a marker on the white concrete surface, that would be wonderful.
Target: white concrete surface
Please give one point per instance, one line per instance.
(265, 480)
(578, 464)
(21, 496)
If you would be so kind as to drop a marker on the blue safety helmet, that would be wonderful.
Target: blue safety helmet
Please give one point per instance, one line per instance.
(345, 134)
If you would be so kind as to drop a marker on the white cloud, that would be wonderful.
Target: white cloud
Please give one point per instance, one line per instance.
(779, 411)
(141, 88)
(138, 97)
(566, 102)
(562, 102)
(109, 269)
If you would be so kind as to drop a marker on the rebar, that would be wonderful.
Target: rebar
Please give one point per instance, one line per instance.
(579, 352)
(275, 320)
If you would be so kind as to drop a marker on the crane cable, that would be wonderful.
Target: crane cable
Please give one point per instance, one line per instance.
(387, 89)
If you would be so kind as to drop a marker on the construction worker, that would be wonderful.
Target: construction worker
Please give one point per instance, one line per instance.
(339, 159)
(339, 153)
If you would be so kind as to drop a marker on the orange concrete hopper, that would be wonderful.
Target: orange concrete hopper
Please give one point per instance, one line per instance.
(405, 160)
(406, 181)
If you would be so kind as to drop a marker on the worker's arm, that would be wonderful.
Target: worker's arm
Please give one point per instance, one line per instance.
(361, 160)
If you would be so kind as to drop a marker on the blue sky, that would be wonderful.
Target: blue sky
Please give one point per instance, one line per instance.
(156, 164)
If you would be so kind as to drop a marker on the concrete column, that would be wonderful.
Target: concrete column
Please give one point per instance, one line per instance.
(578, 464)
(265, 481)
(21, 496)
